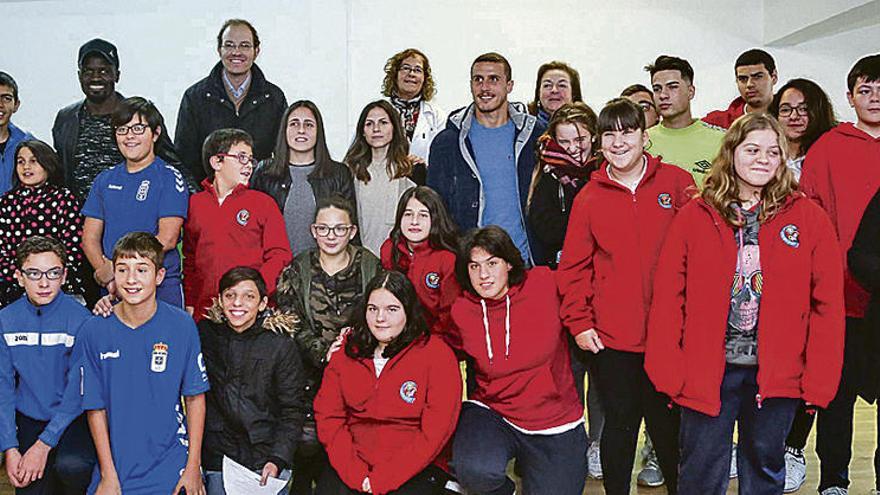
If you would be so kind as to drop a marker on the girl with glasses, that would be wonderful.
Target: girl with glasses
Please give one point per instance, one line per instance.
(805, 112)
(322, 284)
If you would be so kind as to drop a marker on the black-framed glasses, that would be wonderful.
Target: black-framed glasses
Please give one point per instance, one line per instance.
(35, 275)
(322, 230)
(136, 129)
(802, 110)
(412, 69)
(243, 158)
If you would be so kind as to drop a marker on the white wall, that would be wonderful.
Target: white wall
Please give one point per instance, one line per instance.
(333, 51)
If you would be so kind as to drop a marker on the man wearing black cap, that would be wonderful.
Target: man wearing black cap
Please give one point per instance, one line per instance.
(235, 94)
(82, 132)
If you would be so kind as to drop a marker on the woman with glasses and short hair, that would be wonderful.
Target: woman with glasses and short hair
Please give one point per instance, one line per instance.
(323, 285)
(409, 86)
(39, 204)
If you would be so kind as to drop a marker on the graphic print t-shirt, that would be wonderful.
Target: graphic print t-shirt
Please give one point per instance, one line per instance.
(741, 340)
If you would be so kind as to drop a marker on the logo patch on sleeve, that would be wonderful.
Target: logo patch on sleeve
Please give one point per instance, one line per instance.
(664, 200)
(408, 391)
(790, 235)
(160, 357)
(432, 280)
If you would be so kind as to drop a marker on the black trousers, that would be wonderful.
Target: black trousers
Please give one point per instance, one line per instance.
(431, 481)
(628, 396)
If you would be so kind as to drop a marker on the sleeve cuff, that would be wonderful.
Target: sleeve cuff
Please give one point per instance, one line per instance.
(49, 438)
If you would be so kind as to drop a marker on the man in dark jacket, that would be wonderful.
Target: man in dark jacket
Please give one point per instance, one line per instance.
(82, 131)
(234, 95)
(482, 163)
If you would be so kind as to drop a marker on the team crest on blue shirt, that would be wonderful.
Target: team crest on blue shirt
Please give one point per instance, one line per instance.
(160, 357)
(432, 280)
(408, 391)
(664, 200)
(242, 217)
(142, 191)
(790, 235)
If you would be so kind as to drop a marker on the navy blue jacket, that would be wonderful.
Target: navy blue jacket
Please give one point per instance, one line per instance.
(453, 171)
(38, 372)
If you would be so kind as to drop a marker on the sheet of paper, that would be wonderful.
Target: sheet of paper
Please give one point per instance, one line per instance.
(239, 480)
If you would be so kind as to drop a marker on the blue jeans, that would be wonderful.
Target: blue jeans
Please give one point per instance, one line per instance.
(70, 464)
(549, 464)
(706, 441)
(214, 482)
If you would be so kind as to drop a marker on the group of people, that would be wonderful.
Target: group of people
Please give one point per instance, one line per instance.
(257, 301)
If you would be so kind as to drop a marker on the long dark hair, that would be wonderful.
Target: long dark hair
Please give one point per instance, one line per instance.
(276, 167)
(495, 241)
(443, 233)
(361, 343)
(360, 155)
(819, 108)
(46, 157)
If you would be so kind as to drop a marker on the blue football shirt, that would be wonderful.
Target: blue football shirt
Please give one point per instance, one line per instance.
(128, 202)
(138, 376)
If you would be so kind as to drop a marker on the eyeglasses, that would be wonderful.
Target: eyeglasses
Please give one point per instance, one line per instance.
(412, 69)
(322, 230)
(802, 110)
(242, 47)
(136, 129)
(35, 275)
(646, 106)
(242, 158)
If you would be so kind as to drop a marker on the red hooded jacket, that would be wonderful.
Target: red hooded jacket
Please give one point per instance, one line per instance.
(246, 230)
(611, 249)
(724, 118)
(800, 320)
(392, 427)
(432, 273)
(842, 173)
(528, 379)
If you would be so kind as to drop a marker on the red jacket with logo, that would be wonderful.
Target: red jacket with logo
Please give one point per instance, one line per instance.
(432, 273)
(392, 427)
(800, 320)
(725, 118)
(842, 173)
(246, 230)
(610, 252)
(527, 378)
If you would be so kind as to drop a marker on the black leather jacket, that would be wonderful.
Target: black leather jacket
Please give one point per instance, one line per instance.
(255, 408)
(332, 178)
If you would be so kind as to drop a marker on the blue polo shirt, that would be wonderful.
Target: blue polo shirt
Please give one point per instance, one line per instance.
(138, 376)
(134, 202)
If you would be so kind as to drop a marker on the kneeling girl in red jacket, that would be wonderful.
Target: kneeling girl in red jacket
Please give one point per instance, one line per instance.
(389, 401)
(746, 351)
(524, 405)
(422, 246)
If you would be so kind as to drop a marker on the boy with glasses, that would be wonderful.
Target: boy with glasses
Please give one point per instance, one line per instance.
(230, 225)
(235, 94)
(43, 433)
(144, 193)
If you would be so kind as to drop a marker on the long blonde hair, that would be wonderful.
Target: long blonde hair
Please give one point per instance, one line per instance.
(721, 189)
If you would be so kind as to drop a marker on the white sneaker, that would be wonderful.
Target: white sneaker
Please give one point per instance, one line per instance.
(733, 473)
(594, 461)
(651, 475)
(795, 469)
(834, 490)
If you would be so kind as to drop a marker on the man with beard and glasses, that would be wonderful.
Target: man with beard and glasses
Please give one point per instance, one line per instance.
(482, 163)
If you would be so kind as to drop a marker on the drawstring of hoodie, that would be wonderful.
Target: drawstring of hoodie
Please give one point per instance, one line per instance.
(739, 260)
(506, 328)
